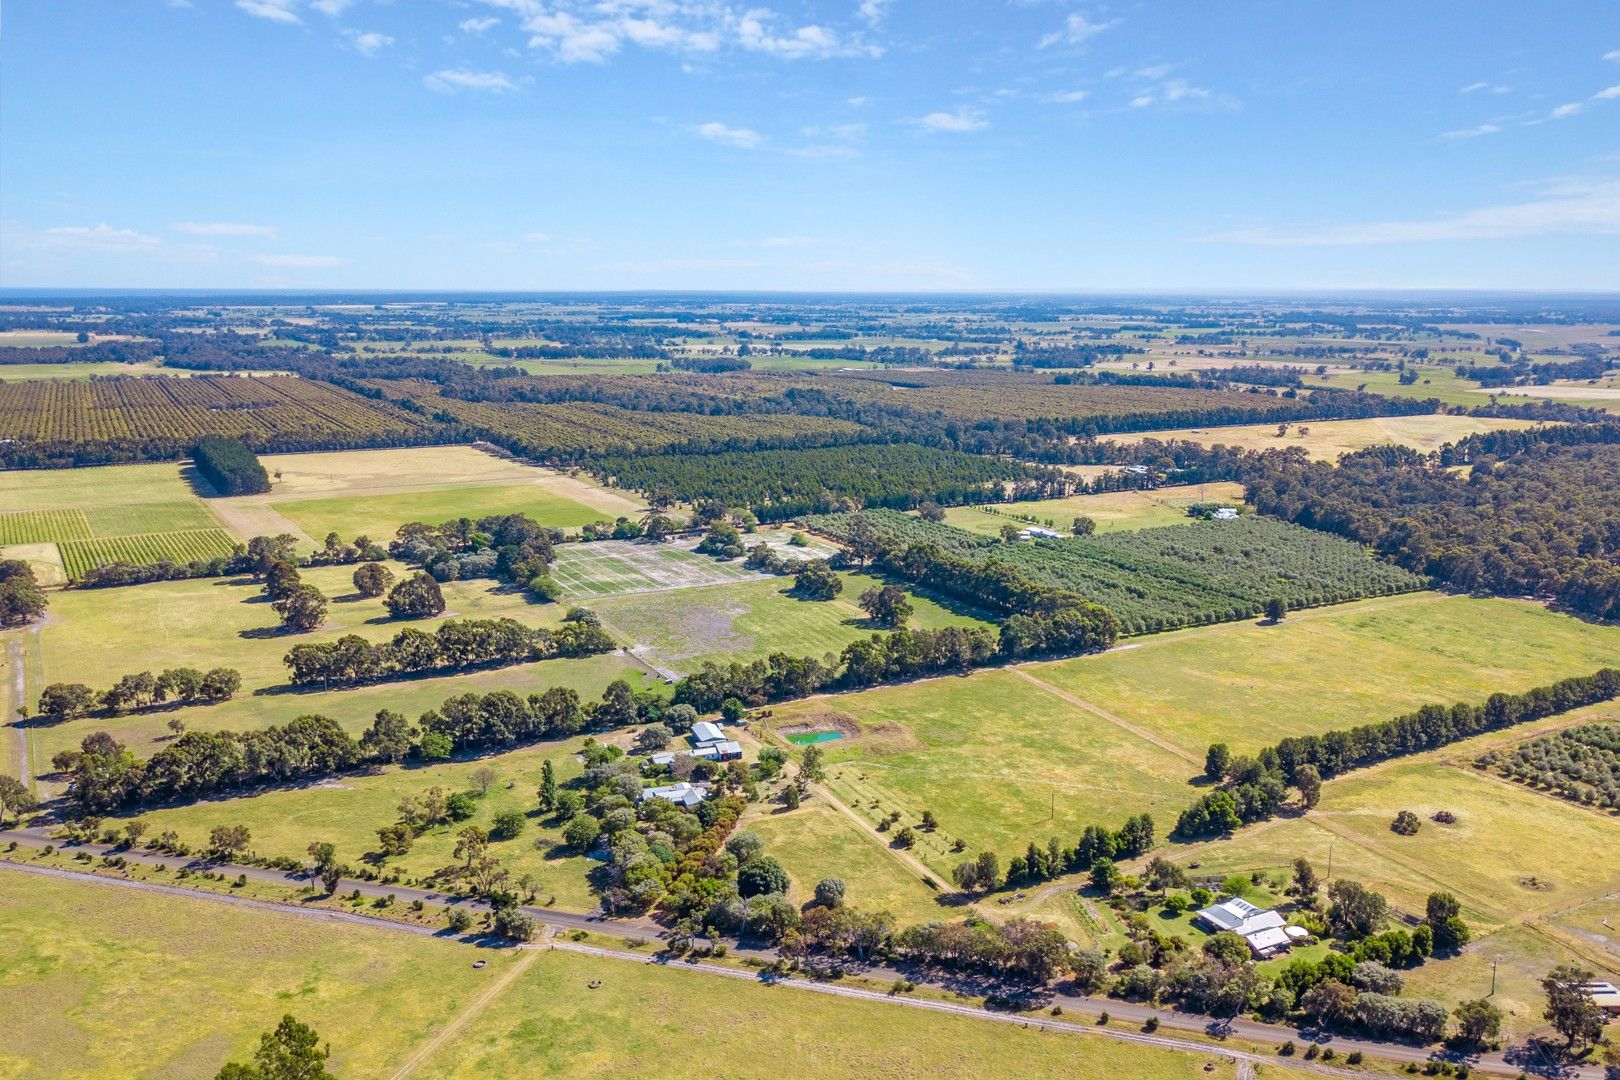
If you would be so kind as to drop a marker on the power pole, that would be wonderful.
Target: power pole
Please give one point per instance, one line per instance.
(1493, 977)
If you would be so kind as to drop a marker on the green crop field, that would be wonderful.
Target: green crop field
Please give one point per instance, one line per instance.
(79, 556)
(1250, 685)
(98, 980)
(130, 519)
(1113, 511)
(43, 526)
(999, 760)
(1160, 579)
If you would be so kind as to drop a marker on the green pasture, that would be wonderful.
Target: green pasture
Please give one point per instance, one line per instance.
(817, 841)
(1250, 684)
(90, 488)
(751, 618)
(96, 635)
(999, 761)
(380, 516)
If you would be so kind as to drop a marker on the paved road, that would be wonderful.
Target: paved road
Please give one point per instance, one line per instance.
(1126, 1014)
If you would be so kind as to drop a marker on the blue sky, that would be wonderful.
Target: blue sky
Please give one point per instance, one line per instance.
(811, 144)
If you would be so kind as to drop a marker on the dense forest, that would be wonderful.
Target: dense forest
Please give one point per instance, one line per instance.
(778, 485)
(1543, 519)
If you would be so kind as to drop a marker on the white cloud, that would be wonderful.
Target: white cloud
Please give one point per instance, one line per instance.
(1470, 133)
(1172, 92)
(223, 228)
(1474, 87)
(1076, 30)
(449, 80)
(1567, 110)
(715, 131)
(478, 26)
(305, 262)
(1065, 97)
(334, 8)
(857, 102)
(275, 10)
(592, 31)
(1569, 208)
(962, 121)
(1612, 54)
(873, 11)
(370, 43)
(101, 237)
(847, 132)
(537, 237)
(1608, 93)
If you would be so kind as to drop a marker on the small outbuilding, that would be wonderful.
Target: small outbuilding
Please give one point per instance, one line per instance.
(706, 733)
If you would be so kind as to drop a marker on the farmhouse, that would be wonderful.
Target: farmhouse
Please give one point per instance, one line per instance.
(725, 750)
(681, 794)
(1036, 532)
(1606, 996)
(706, 733)
(1265, 930)
(1226, 513)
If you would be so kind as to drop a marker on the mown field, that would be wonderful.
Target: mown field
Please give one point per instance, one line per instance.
(1114, 511)
(999, 760)
(747, 619)
(373, 492)
(96, 980)
(1327, 439)
(1250, 685)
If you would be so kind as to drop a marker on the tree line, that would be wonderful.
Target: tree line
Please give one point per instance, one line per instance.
(60, 702)
(106, 776)
(454, 645)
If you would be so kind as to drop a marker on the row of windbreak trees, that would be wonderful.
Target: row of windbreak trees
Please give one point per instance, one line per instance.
(454, 645)
(105, 776)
